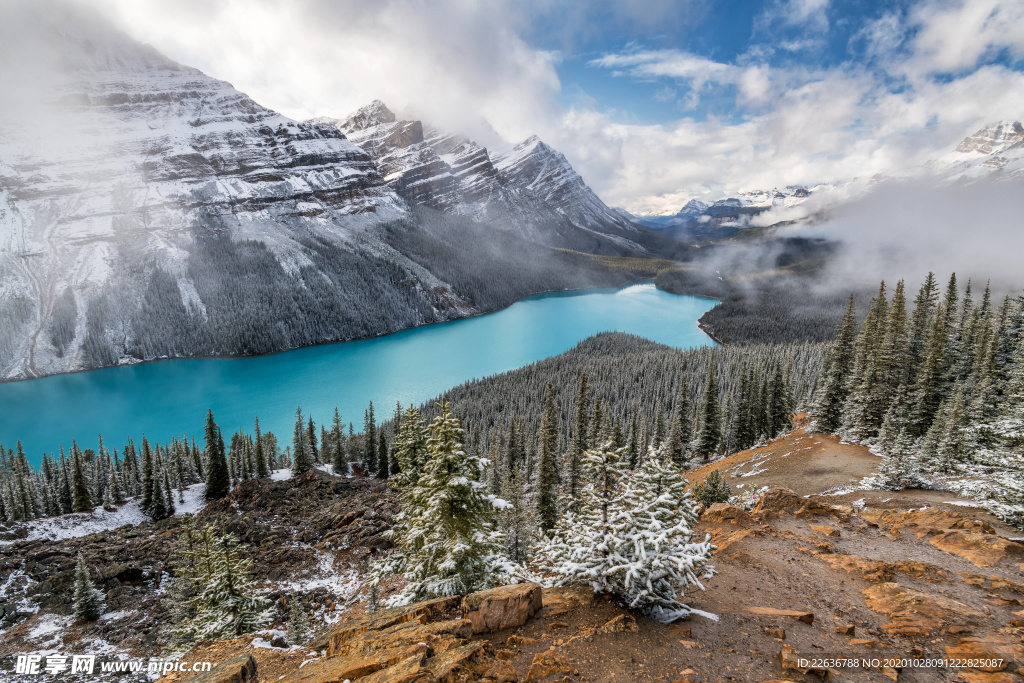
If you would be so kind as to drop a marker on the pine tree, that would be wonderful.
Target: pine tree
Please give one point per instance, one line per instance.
(447, 544)
(218, 481)
(212, 594)
(311, 440)
(88, 601)
(710, 429)
(339, 461)
(370, 442)
(833, 390)
(580, 439)
(632, 536)
(920, 321)
(260, 454)
(928, 387)
(302, 450)
(679, 433)
(298, 622)
(780, 404)
(410, 448)
(899, 469)
(547, 475)
(81, 497)
(714, 489)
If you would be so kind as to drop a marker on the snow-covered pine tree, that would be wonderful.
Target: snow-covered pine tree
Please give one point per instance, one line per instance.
(298, 622)
(900, 468)
(447, 543)
(659, 558)
(213, 595)
(87, 599)
(679, 433)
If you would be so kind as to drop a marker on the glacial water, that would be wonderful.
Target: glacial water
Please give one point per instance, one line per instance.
(170, 398)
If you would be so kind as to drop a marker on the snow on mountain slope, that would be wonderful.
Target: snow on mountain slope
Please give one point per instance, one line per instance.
(995, 152)
(532, 189)
(120, 167)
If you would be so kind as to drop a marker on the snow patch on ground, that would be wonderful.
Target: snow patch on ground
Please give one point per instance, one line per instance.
(99, 520)
(281, 475)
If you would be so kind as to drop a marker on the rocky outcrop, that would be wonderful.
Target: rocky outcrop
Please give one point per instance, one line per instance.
(425, 641)
(504, 607)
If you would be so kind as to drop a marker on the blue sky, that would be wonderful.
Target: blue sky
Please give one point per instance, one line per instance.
(654, 102)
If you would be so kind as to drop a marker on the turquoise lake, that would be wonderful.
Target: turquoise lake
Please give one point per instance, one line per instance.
(170, 398)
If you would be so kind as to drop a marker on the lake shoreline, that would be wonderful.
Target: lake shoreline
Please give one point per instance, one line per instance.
(477, 314)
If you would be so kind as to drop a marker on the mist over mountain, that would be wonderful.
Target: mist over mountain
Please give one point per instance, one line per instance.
(148, 210)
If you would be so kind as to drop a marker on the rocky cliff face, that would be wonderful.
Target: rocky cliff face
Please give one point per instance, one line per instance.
(995, 152)
(531, 189)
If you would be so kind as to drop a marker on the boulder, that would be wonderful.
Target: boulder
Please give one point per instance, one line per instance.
(558, 601)
(723, 513)
(410, 670)
(914, 613)
(378, 621)
(504, 607)
(444, 667)
(781, 500)
(238, 669)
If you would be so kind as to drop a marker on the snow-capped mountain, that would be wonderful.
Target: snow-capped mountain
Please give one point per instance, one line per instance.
(148, 210)
(995, 152)
(531, 189)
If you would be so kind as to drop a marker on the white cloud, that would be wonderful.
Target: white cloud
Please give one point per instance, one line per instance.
(469, 67)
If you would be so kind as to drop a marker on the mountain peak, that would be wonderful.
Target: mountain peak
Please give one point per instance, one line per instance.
(993, 138)
(373, 114)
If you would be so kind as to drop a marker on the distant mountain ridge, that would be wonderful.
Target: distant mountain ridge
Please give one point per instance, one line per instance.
(531, 189)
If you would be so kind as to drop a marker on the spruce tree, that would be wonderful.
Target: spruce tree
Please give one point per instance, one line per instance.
(679, 433)
(339, 461)
(302, 450)
(547, 473)
(714, 489)
(580, 438)
(218, 481)
(87, 600)
(447, 543)
(710, 429)
(262, 461)
(81, 497)
(832, 392)
(410, 448)
(370, 442)
(311, 440)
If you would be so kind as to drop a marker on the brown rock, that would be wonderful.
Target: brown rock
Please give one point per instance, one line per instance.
(776, 633)
(522, 640)
(504, 607)
(806, 617)
(723, 513)
(444, 667)
(846, 629)
(913, 613)
(690, 644)
(547, 663)
(982, 549)
(557, 625)
(620, 624)
(786, 500)
(377, 621)
(687, 676)
(986, 658)
(409, 670)
(684, 631)
(826, 530)
(789, 659)
(866, 642)
(558, 601)
(727, 540)
(502, 672)
(238, 669)
(338, 669)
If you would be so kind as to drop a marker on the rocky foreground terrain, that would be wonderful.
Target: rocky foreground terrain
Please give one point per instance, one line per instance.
(803, 576)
